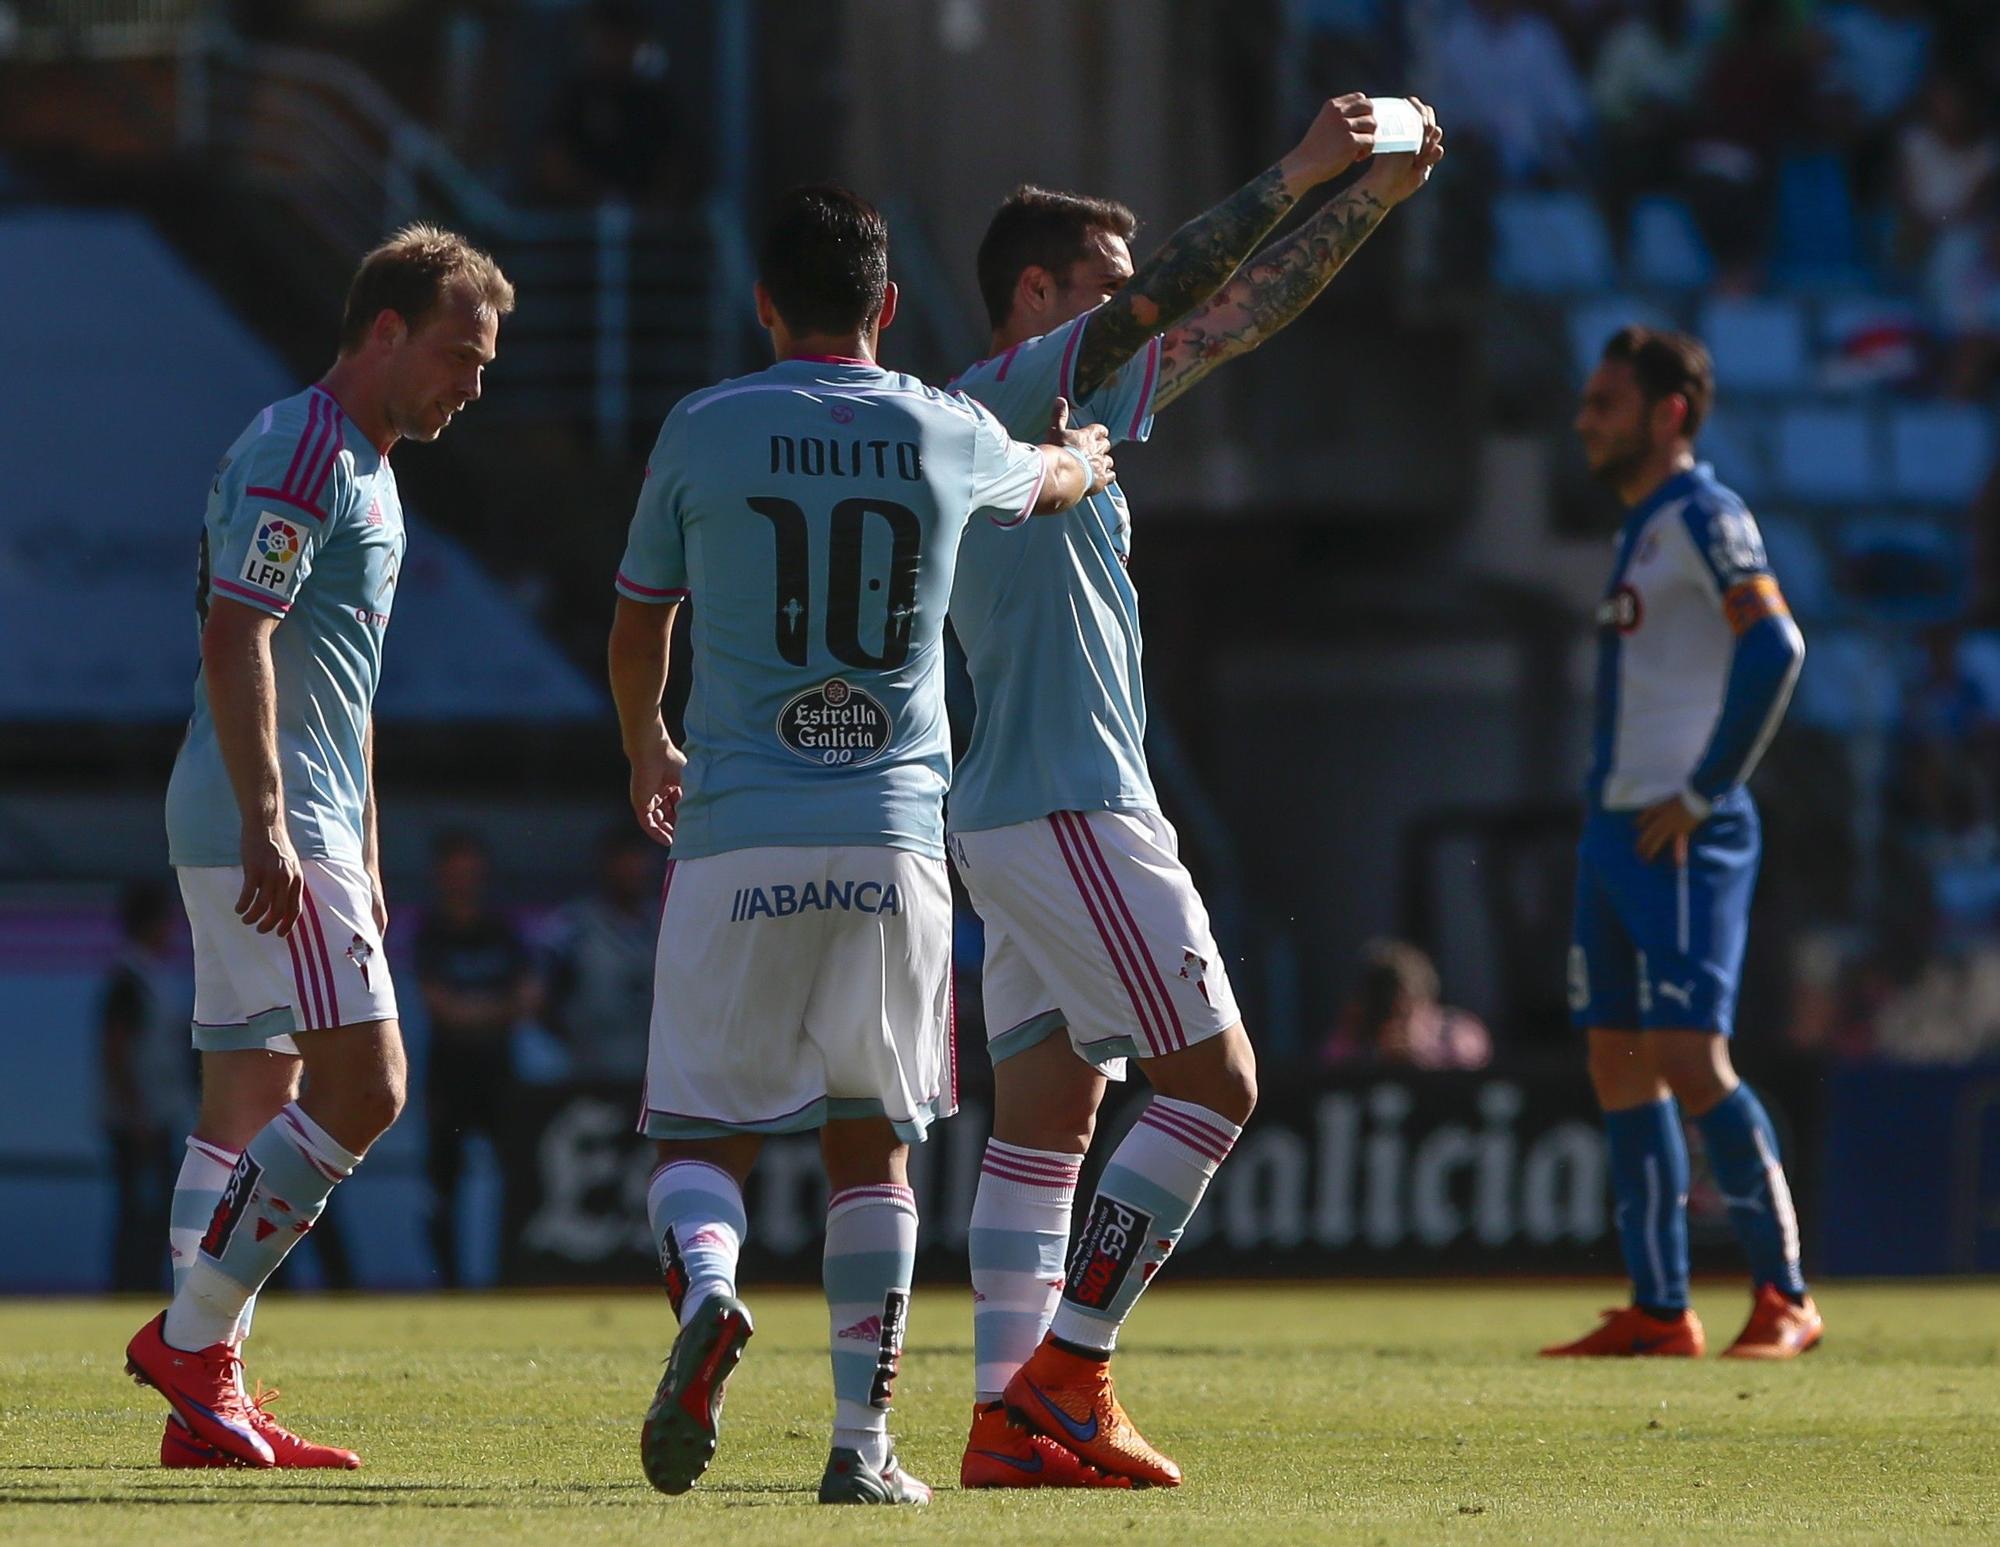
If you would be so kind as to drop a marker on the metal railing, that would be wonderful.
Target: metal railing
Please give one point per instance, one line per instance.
(623, 309)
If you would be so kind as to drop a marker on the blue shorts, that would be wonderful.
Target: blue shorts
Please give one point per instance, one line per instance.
(1660, 946)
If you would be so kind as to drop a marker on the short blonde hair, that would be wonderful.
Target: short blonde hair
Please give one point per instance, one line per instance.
(410, 273)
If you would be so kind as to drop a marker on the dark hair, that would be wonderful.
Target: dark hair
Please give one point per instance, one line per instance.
(409, 275)
(1391, 969)
(454, 841)
(1668, 363)
(141, 906)
(825, 260)
(1040, 228)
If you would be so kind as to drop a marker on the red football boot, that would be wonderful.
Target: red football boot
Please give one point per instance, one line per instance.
(1070, 1398)
(205, 1388)
(1629, 1333)
(179, 1448)
(999, 1453)
(1777, 1329)
(289, 1449)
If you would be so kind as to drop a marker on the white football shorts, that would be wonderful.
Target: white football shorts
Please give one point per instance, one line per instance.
(1092, 922)
(254, 991)
(797, 985)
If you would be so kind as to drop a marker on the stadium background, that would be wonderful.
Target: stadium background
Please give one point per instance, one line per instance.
(1368, 555)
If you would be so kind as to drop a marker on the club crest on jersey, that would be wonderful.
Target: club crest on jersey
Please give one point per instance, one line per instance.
(1622, 610)
(836, 725)
(272, 562)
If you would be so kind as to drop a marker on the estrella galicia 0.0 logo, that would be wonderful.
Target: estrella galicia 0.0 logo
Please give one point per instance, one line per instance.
(836, 725)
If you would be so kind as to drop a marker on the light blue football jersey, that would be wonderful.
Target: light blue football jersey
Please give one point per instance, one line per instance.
(813, 512)
(1048, 616)
(304, 524)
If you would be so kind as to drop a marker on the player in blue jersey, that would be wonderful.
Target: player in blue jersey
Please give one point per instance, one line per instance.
(811, 513)
(271, 822)
(1697, 655)
(1098, 948)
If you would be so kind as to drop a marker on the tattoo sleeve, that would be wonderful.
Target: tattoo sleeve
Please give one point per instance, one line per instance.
(1273, 289)
(1194, 263)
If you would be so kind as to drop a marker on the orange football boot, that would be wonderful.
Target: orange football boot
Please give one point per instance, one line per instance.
(1777, 1329)
(999, 1453)
(1629, 1333)
(1069, 1398)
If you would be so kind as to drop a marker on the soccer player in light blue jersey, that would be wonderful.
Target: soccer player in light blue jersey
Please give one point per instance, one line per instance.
(271, 823)
(1098, 948)
(811, 515)
(1697, 653)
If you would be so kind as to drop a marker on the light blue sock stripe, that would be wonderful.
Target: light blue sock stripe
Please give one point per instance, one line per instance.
(863, 1277)
(1003, 1329)
(1130, 1187)
(192, 1210)
(1017, 1251)
(854, 1375)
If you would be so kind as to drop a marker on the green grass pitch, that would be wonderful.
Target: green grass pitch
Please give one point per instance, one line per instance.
(1370, 1414)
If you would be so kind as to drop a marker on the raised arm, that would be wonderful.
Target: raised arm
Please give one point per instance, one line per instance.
(641, 636)
(243, 701)
(1282, 281)
(1198, 259)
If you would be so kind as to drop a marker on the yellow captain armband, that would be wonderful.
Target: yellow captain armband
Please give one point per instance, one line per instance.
(1752, 601)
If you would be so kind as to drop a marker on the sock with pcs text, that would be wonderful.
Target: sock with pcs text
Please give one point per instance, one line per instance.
(1150, 1188)
(277, 1190)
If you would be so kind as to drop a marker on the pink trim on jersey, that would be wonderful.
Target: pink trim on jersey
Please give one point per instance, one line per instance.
(1146, 390)
(246, 594)
(303, 480)
(831, 360)
(677, 593)
(309, 433)
(1027, 509)
(1195, 1135)
(1006, 362)
(1063, 383)
(259, 492)
(315, 484)
(1117, 896)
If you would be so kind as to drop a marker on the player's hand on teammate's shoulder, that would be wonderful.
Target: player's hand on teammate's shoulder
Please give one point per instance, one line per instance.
(656, 787)
(1393, 178)
(1091, 441)
(1341, 134)
(274, 882)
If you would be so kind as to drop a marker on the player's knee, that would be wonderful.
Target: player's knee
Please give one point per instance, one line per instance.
(1622, 1075)
(1220, 1074)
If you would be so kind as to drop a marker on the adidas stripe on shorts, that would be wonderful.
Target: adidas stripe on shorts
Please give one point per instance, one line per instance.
(254, 991)
(1092, 922)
